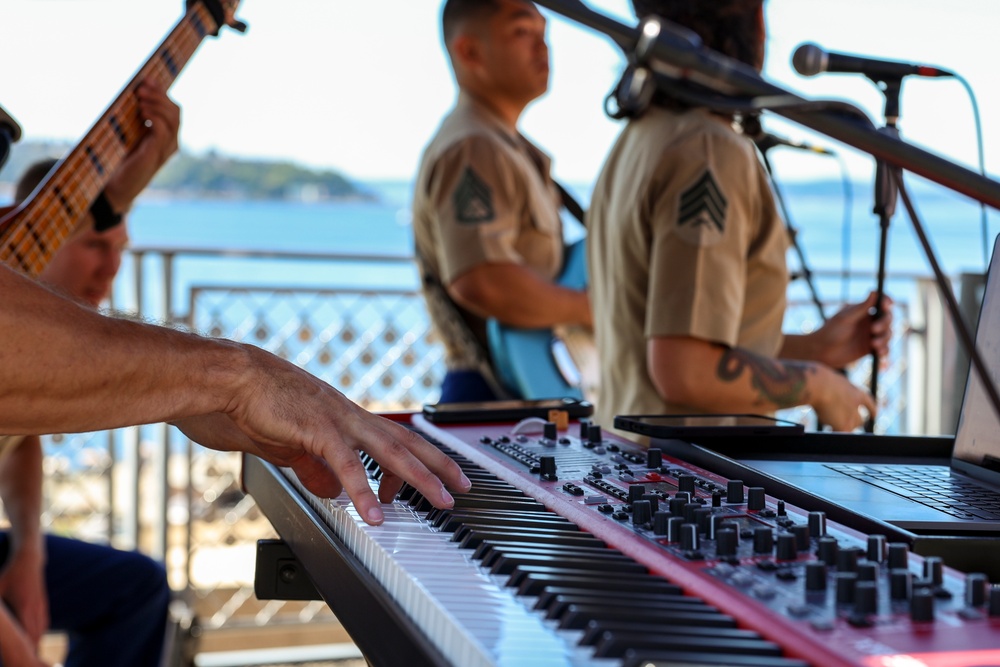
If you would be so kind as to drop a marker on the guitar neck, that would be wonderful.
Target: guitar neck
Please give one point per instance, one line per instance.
(31, 234)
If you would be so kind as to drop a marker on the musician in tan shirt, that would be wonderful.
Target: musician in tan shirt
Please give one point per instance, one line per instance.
(486, 211)
(687, 262)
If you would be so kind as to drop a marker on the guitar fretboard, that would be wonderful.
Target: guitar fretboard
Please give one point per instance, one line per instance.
(32, 233)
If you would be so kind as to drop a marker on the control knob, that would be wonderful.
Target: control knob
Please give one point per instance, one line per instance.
(922, 606)
(817, 524)
(787, 547)
(763, 540)
(876, 548)
(976, 589)
(654, 458)
(815, 576)
(734, 491)
(755, 498)
(642, 512)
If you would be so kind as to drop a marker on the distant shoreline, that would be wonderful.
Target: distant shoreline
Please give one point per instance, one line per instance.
(213, 177)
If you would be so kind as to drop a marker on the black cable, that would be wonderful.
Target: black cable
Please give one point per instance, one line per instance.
(984, 222)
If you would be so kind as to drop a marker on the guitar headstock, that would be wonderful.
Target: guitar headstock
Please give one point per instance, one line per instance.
(223, 11)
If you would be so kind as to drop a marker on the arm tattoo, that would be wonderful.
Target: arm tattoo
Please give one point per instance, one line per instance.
(782, 383)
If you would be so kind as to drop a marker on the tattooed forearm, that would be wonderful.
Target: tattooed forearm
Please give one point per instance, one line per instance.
(780, 383)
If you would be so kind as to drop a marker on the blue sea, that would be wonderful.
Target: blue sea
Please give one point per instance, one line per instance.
(373, 238)
(836, 230)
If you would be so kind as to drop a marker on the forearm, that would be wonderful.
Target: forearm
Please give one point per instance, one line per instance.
(713, 378)
(518, 296)
(66, 368)
(21, 493)
(801, 347)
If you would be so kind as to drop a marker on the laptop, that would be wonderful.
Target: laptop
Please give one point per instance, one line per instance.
(887, 479)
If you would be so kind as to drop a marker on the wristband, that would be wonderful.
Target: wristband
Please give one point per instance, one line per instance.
(104, 216)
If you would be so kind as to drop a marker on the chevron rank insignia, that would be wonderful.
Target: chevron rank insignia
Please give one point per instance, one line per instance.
(473, 199)
(701, 218)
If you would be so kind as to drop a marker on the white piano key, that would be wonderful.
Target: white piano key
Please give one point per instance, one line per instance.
(465, 612)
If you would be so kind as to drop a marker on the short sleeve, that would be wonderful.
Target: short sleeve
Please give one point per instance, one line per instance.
(476, 206)
(703, 203)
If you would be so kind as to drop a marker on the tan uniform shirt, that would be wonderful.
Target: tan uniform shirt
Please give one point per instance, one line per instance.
(483, 194)
(684, 240)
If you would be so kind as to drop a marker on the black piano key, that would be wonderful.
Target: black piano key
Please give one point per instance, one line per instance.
(684, 659)
(557, 593)
(489, 551)
(559, 574)
(470, 537)
(558, 606)
(576, 617)
(406, 492)
(449, 521)
(595, 630)
(465, 501)
(576, 575)
(554, 529)
(490, 491)
(535, 583)
(500, 494)
(615, 645)
(508, 562)
(506, 504)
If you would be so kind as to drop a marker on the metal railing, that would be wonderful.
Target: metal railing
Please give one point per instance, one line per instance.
(150, 488)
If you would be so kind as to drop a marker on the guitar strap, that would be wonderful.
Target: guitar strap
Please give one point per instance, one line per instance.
(570, 204)
(457, 328)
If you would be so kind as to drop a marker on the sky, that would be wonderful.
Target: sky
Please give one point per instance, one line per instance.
(361, 86)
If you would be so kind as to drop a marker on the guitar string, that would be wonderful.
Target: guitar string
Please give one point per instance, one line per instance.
(82, 182)
(78, 176)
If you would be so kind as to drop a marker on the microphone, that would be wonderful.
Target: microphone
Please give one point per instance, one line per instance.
(10, 126)
(766, 141)
(810, 60)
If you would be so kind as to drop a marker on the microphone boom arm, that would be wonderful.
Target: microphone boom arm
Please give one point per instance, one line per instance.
(676, 49)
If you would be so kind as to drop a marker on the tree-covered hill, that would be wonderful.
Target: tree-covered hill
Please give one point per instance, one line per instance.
(213, 176)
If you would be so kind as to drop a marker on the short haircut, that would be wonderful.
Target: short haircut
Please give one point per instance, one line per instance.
(727, 26)
(32, 176)
(457, 11)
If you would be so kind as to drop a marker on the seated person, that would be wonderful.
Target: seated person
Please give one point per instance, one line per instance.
(486, 211)
(62, 366)
(61, 583)
(687, 263)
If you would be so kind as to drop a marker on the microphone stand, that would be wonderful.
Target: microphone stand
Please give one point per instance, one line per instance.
(677, 52)
(886, 192)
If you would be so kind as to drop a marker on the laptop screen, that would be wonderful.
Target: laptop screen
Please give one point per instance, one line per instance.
(977, 440)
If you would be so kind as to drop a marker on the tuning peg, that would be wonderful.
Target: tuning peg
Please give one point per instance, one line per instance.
(238, 25)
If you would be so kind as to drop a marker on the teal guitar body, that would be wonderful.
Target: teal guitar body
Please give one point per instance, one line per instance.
(534, 363)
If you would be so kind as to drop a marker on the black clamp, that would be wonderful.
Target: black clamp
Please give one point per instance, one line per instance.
(279, 575)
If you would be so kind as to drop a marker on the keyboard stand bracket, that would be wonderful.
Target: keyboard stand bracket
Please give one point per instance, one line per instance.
(279, 575)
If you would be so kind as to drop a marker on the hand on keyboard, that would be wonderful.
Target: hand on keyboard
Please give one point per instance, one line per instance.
(290, 418)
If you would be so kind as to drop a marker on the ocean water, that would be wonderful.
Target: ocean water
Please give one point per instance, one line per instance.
(836, 234)
(358, 231)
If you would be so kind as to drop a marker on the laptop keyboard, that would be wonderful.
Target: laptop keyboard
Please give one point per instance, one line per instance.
(933, 486)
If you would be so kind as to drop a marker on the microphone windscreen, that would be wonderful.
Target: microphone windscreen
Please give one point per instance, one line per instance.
(809, 60)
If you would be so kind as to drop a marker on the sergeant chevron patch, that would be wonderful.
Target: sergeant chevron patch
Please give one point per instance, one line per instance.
(473, 199)
(701, 217)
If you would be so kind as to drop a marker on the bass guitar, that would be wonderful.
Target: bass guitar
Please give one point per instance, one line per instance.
(31, 233)
(548, 363)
